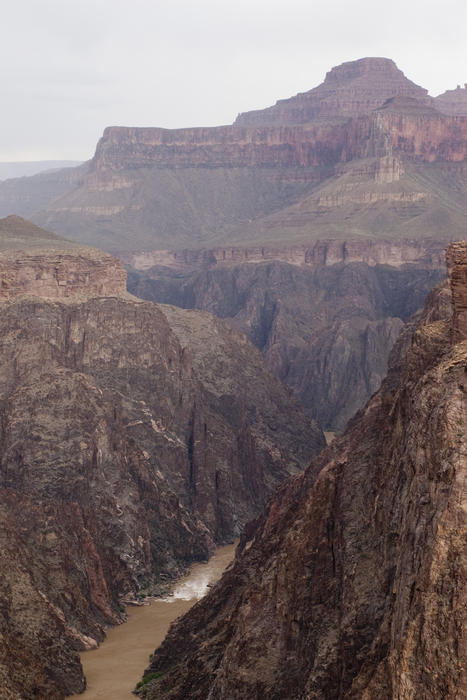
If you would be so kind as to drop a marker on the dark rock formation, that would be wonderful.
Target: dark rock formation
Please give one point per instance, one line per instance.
(133, 437)
(325, 317)
(352, 582)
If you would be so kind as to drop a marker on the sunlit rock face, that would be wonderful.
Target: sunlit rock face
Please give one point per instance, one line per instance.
(134, 438)
(352, 582)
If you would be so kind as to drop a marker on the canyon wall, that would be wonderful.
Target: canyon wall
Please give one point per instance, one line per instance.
(133, 439)
(368, 146)
(352, 582)
(36, 262)
(324, 316)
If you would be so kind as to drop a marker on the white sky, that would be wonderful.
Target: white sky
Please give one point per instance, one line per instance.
(69, 68)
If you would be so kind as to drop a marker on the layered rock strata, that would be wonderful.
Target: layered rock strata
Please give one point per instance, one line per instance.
(367, 144)
(34, 261)
(325, 316)
(352, 582)
(352, 89)
(133, 438)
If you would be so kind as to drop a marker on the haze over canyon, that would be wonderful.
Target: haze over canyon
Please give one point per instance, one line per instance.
(182, 316)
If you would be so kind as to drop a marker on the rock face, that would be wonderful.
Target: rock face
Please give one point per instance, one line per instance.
(453, 102)
(457, 265)
(34, 261)
(366, 153)
(349, 90)
(133, 438)
(325, 317)
(352, 582)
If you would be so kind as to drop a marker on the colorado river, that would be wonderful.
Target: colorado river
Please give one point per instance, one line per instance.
(113, 669)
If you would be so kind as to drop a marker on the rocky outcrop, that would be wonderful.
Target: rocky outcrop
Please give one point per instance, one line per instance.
(34, 261)
(352, 582)
(133, 438)
(352, 89)
(198, 188)
(453, 102)
(457, 266)
(325, 316)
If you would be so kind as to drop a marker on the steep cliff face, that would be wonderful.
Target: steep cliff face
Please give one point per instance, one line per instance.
(127, 451)
(325, 316)
(366, 153)
(349, 90)
(352, 582)
(376, 175)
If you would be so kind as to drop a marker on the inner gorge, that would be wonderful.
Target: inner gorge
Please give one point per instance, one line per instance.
(251, 333)
(113, 669)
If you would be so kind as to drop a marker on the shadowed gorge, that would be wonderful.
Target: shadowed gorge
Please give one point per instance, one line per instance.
(134, 437)
(352, 582)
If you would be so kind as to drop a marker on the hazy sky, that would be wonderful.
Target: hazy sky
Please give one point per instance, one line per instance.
(70, 68)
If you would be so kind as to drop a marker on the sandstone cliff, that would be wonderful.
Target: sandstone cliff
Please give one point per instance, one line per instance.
(133, 438)
(352, 582)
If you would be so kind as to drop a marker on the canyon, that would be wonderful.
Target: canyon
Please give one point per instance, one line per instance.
(324, 316)
(265, 222)
(366, 153)
(135, 438)
(351, 584)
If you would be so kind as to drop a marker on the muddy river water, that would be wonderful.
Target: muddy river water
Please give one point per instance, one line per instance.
(113, 669)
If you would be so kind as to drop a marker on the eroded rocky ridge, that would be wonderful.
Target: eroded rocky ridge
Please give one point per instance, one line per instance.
(37, 262)
(352, 582)
(324, 316)
(133, 438)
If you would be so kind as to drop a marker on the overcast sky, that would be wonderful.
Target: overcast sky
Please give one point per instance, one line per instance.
(70, 68)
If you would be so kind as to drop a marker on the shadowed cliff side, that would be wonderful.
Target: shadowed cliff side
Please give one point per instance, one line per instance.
(126, 452)
(325, 316)
(352, 582)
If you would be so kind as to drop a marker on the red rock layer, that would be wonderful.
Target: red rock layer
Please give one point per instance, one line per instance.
(423, 136)
(40, 263)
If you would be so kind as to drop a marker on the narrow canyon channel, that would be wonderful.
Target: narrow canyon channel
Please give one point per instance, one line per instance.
(113, 669)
